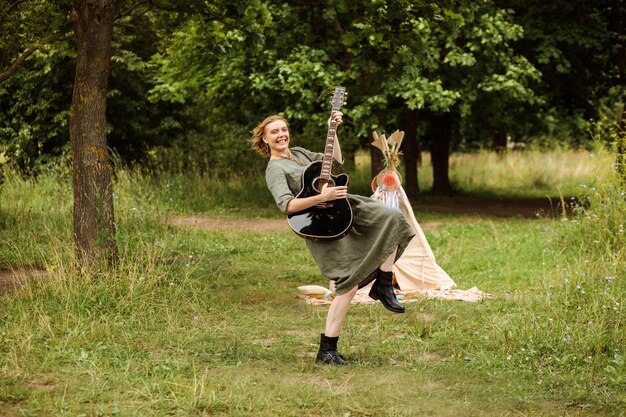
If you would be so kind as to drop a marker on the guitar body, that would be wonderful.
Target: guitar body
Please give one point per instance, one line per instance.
(331, 220)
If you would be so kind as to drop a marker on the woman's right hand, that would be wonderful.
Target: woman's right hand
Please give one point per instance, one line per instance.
(333, 193)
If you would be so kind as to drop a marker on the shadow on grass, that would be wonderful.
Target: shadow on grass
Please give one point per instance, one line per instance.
(486, 204)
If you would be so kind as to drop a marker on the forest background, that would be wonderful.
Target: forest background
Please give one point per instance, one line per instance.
(181, 85)
(190, 79)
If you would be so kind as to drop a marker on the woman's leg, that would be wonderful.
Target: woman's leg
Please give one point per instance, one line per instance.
(388, 264)
(337, 312)
(328, 341)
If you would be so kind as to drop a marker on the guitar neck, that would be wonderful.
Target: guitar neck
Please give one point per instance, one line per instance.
(331, 135)
(327, 161)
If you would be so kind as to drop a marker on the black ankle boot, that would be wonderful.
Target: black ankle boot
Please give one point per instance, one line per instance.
(328, 351)
(383, 290)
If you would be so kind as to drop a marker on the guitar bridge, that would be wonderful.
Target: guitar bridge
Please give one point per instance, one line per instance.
(324, 205)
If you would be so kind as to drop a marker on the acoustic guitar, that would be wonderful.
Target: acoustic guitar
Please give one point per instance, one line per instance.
(330, 220)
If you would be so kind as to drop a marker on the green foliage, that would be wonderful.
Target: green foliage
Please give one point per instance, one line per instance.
(34, 103)
(189, 80)
(386, 53)
(238, 83)
(136, 124)
(35, 109)
(489, 64)
(577, 68)
(30, 23)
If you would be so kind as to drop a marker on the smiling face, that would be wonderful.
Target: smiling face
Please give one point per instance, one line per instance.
(276, 136)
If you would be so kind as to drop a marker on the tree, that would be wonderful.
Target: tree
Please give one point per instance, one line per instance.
(466, 63)
(93, 24)
(577, 48)
(253, 71)
(34, 108)
(332, 42)
(94, 222)
(386, 45)
(461, 74)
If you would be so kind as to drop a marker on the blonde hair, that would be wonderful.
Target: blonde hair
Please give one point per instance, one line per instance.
(259, 132)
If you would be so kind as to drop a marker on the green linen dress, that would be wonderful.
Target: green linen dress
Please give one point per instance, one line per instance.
(377, 229)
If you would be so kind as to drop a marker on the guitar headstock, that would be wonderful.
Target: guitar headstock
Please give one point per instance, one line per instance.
(338, 99)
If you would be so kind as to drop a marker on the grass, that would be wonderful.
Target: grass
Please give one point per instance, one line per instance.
(514, 175)
(197, 322)
(527, 174)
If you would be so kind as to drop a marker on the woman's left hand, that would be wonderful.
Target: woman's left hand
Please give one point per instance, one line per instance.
(337, 116)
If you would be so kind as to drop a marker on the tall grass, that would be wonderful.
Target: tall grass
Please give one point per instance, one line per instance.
(576, 319)
(528, 173)
(516, 174)
(572, 320)
(194, 192)
(205, 322)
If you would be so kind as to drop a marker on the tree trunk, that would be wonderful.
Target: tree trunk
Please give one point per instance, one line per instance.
(376, 157)
(499, 141)
(441, 129)
(410, 151)
(94, 225)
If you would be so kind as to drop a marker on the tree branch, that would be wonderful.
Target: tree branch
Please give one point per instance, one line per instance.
(162, 6)
(9, 72)
(10, 9)
(128, 10)
(17, 64)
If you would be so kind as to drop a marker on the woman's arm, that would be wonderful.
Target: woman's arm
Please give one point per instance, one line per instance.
(327, 194)
(337, 116)
(337, 151)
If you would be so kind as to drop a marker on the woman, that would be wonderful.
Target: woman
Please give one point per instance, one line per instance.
(378, 237)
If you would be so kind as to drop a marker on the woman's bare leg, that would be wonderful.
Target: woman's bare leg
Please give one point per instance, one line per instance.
(340, 304)
(337, 312)
(388, 264)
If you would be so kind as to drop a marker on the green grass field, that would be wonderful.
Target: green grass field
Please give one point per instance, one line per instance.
(198, 322)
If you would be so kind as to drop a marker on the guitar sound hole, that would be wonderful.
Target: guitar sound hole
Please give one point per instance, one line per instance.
(319, 183)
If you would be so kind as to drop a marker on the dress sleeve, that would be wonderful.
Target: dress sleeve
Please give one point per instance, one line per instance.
(278, 186)
(316, 156)
(312, 156)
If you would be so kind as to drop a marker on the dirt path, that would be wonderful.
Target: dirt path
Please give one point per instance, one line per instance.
(257, 225)
(527, 208)
(12, 279)
(531, 208)
(217, 223)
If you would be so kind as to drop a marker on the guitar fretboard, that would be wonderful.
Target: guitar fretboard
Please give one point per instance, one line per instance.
(327, 161)
(331, 136)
